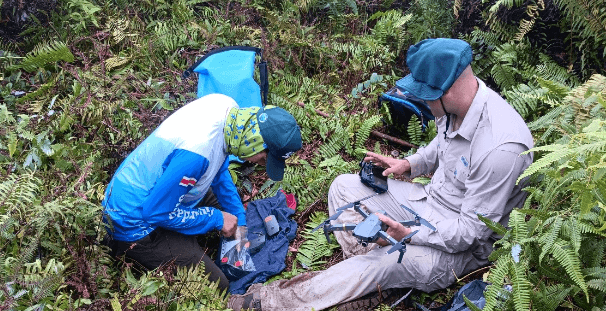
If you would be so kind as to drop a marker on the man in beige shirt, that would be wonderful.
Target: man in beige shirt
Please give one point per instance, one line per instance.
(475, 160)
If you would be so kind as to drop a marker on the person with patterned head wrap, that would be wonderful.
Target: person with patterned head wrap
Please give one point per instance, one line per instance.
(242, 133)
(176, 184)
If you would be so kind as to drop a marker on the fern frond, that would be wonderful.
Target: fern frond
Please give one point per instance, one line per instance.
(193, 283)
(566, 257)
(526, 24)
(521, 286)
(524, 99)
(497, 278)
(414, 130)
(315, 246)
(493, 225)
(588, 18)
(334, 144)
(45, 54)
(548, 240)
(550, 297)
(18, 192)
(517, 223)
(597, 284)
(364, 131)
(431, 131)
(555, 155)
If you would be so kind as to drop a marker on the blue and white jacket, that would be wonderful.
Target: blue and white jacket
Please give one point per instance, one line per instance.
(160, 182)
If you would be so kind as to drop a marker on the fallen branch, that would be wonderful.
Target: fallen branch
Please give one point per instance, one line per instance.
(393, 139)
(317, 111)
(374, 133)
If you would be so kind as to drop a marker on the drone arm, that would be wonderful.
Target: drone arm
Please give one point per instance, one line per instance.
(387, 237)
(418, 219)
(328, 228)
(358, 209)
(340, 227)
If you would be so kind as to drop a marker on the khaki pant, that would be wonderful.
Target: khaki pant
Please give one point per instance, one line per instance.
(368, 268)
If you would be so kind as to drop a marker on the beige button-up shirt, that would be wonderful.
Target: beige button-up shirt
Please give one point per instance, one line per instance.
(475, 169)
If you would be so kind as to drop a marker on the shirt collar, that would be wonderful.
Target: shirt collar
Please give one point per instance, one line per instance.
(472, 118)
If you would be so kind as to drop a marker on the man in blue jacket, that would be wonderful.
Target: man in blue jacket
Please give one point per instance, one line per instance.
(176, 184)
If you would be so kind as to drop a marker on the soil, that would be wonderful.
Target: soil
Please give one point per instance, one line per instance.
(17, 15)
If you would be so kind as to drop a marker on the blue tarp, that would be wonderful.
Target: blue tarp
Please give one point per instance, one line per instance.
(269, 261)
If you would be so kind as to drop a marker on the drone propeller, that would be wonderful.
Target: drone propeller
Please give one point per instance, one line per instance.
(340, 210)
(349, 205)
(418, 220)
(401, 246)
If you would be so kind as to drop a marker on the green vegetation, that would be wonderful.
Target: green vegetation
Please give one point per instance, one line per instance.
(82, 82)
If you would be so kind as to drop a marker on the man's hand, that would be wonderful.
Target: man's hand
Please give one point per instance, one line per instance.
(391, 165)
(230, 224)
(395, 229)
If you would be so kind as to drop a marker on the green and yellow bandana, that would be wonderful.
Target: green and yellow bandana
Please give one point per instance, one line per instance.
(242, 133)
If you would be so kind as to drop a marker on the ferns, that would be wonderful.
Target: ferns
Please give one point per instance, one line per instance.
(315, 246)
(334, 144)
(524, 99)
(520, 286)
(515, 267)
(550, 297)
(415, 134)
(364, 131)
(18, 192)
(581, 145)
(390, 28)
(527, 24)
(563, 238)
(75, 103)
(44, 54)
(29, 225)
(570, 261)
(588, 21)
(310, 183)
(430, 19)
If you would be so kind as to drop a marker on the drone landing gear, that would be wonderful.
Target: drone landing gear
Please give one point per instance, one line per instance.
(397, 246)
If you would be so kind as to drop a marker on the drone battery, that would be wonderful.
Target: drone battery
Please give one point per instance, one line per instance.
(271, 225)
(256, 244)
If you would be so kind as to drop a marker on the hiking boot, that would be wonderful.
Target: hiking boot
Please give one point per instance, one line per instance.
(373, 300)
(250, 301)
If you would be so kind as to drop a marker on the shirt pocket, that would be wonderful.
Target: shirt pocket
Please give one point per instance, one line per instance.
(461, 173)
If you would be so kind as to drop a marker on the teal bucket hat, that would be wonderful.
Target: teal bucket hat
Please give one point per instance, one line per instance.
(281, 136)
(435, 64)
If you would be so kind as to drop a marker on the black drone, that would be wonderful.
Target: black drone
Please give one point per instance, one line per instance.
(372, 228)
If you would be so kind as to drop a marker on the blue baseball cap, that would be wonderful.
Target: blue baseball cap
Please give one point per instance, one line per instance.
(435, 64)
(281, 135)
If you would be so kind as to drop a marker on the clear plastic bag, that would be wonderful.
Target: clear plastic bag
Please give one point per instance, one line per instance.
(235, 259)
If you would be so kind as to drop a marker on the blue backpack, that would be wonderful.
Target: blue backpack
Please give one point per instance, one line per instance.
(230, 71)
(402, 105)
(474, 291)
